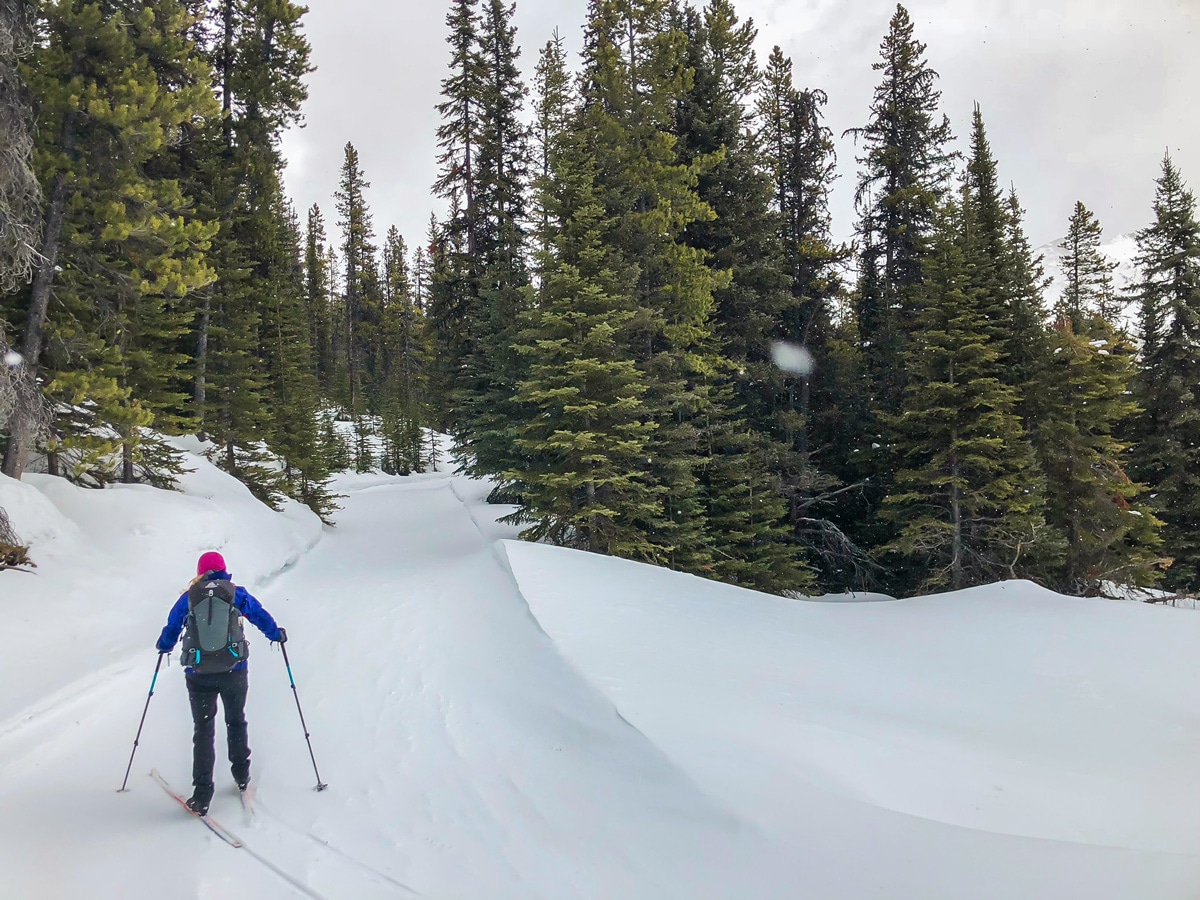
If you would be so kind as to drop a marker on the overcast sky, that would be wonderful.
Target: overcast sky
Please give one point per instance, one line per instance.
(1080, 97)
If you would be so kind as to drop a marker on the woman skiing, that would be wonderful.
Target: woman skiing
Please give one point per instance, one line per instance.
(214, 657)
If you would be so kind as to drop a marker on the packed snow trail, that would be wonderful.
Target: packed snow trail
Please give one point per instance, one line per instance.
(465, 757)
(511, 721)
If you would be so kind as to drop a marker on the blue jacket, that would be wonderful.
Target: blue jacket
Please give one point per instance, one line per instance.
(243, 600)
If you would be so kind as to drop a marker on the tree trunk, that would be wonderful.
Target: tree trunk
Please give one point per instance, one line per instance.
(127, 471)
(24, 420)
(201, 386)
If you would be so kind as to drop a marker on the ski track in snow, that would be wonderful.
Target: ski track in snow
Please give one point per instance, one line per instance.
(498, 721)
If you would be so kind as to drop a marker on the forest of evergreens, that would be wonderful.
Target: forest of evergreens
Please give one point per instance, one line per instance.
(629, 239)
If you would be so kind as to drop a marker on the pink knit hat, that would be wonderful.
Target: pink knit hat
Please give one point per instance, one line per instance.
(210, 562)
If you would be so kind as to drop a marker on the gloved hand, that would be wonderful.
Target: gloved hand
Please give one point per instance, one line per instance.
(282, 639)
(161, 649)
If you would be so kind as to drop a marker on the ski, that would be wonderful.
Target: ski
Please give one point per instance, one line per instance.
(215, 827)
(247, 798)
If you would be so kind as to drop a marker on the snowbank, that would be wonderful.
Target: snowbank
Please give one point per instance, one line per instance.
(111, 562)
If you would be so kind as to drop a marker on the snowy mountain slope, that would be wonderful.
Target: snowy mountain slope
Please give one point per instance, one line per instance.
(499, 720)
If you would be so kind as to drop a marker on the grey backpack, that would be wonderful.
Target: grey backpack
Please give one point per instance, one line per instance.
(213, 640)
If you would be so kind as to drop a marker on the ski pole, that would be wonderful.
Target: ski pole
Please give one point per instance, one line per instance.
(283, 646)
(153, 681)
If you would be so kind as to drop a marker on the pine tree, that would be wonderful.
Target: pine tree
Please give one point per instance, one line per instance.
(967, 504)
(1167, 434)
(121, 250)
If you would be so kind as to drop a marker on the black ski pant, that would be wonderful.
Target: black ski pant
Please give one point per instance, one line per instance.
(203, 691)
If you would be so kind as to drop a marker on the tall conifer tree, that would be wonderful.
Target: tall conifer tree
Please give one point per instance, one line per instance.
(1111, 538)
(260, 54)
(967, 506)
(121, 251)
(634, 76)
(455, 283)
(1167, 451)
(492, 368)
(745, 464)
(906, 164)
(589, 432)
(317, 290)
(359, 315)
(1088, 273)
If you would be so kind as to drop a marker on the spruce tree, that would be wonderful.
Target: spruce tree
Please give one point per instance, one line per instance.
(455, 285)
(492, 368)
(260, 55)
(967, 502)
(1005, 273)
(295, 396)
(819, 413)
(744, 461)
(799, 155)
(404, 408)
(1025, 344)
(360, 311)
(1167, 433)
(1082, 398)
(552, 109)
(904, 171)
(906, 164)
(586, 441)
(317, 290)
(634, 76)
(1089, 274)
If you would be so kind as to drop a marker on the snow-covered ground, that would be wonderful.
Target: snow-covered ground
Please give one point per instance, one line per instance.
(502, 720)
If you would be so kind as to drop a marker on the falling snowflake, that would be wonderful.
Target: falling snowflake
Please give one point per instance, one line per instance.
(792, 358)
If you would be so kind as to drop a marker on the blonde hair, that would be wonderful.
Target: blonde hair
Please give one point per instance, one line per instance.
(195, 581)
